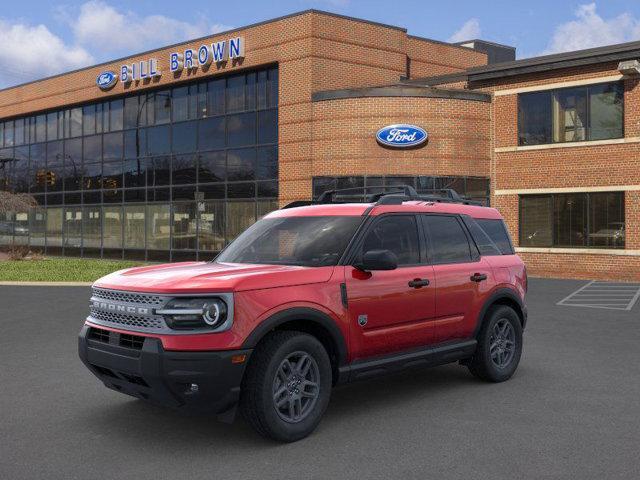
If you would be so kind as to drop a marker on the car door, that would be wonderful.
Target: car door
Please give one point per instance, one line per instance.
(462, 277)
(391, 310)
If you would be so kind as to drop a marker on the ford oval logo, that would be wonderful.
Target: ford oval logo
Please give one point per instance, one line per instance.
(401, 136)
(106, 80)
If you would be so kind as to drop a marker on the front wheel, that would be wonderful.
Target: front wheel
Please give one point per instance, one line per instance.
(287, 386)
(499, 346)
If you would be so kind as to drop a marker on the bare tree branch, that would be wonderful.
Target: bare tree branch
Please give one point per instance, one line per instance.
(16, 202)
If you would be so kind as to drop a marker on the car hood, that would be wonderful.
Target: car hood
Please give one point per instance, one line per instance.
(204, 277)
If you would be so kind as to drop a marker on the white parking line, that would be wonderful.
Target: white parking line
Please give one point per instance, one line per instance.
(612, 296)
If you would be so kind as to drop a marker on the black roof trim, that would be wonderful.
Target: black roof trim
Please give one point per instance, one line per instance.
(244, 27)
(400, 91)
(496, 44)
(609, 53)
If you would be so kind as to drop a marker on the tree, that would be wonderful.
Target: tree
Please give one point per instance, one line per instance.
(16, 202)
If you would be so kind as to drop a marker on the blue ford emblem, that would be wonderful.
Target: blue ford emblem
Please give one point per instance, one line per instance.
(106, 80)
(401, 136)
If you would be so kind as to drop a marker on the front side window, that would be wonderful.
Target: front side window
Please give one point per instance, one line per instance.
(573, 220)
(303, 241)
(593, 112)
(399, 235)
(448, 242)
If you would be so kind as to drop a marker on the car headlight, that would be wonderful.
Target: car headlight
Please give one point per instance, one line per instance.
(194, 313)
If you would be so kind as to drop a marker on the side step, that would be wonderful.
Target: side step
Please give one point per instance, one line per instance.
(425, 357)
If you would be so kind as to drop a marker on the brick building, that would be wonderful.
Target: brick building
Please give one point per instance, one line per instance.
(169, 154)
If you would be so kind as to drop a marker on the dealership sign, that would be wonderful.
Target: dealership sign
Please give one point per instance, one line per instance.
(189, 59)
(401, 136)
(106, 80)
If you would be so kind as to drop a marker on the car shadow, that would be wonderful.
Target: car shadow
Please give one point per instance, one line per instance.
(136, 422)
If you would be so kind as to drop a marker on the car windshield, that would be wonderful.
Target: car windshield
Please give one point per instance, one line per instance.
(304, 241)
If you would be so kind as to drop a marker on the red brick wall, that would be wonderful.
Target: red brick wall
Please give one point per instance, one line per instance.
(429, 58)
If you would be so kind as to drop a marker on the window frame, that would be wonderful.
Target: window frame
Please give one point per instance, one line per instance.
(552, 93)
(588, 196)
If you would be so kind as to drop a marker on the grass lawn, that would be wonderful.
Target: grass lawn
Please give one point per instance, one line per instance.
(60, 269)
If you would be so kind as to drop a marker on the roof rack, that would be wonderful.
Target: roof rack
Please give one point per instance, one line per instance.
(400, 194)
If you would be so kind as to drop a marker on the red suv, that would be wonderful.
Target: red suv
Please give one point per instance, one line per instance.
(309, 297)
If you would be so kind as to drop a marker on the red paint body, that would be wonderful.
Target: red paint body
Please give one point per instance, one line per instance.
(399, 317)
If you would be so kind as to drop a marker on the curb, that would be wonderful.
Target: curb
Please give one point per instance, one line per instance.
(47, 284)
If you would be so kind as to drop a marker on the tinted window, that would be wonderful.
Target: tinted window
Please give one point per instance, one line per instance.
(307, 241)
(448, 241)
(398, 234)
(497, 232)
(480, 237)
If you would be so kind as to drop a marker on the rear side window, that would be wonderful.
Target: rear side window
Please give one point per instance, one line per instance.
(447, 240)
(497, 232)
(484, 243)
(398, 234)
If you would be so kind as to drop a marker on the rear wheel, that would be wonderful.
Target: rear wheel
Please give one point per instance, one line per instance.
(499, 346)
(287, 386)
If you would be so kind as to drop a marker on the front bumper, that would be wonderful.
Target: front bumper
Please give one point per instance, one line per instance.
(140, 367)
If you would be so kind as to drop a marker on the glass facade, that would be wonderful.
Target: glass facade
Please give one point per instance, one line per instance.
(474, 188)
(573, 220)
(160, 175)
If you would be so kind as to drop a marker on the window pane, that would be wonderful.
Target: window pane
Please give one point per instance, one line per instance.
(112, 175)
(72, 164)
(52, 126)
(211, 227)
(73, 227)
(158, 227)
(215, 94)
(534, 118)
(184, 169)
(89, 120)
(184, 137)
(159, 140)
(135, 172)
(54, 227)
(162, 109)
(184, 226)
(240, 215)
(250, 91)
(112, 145)
(536, 217)
(92, 227)
(134, 226)
(131, 112)
(399, 235)
(235, 93)
(161, 171)
(37, 226)
(92, 149)
(41, 129)
(268, 126)
(179, 99)
(448, 242)
(241, 164)
(21, 169)
(75, 122)
(211, 133)
(112, 227)
(115, 115)
(607, 220)
(135, 143)
(606, 104)
(102, 117)
(241, 129)
(267, 167)
(212, 167)
(570, 217)
(570, 115)
(261, 89)
(8, 134)
(272, 93)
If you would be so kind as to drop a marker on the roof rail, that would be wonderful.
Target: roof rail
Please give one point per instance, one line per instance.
(399, 194)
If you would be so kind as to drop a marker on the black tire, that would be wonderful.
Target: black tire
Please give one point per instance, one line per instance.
(485, 363)
(257, 401)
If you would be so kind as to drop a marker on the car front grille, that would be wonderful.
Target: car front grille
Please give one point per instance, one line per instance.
(127, 320)
(135, 342)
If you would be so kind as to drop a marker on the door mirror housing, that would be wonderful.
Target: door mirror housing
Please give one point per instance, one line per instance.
(378, 260)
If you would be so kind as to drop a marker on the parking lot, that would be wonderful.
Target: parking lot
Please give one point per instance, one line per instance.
(571, 411)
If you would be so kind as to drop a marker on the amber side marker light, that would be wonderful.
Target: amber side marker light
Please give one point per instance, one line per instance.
(238, 359)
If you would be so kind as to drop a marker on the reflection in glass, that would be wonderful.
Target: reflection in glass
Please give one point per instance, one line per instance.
(240, 215)
(211, 226)
(158, 227)
(73, 227)
(134, 226)
(184, 226)
(112, 226)
(92, 227)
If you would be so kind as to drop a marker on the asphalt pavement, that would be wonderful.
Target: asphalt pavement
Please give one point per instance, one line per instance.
(571, 411)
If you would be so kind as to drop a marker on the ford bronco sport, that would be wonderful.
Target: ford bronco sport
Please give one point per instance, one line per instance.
(309, 297)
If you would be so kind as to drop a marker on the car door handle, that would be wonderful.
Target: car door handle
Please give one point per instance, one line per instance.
(478, 277)
(418, 282)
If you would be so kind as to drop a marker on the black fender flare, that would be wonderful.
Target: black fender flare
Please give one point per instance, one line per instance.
(305, 314)
(495, 297)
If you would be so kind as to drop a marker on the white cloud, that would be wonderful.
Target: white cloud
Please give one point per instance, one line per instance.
(28, 52)
(591, 30)
(469, 31)
(104, 29)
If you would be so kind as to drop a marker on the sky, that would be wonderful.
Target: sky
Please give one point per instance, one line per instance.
(39, 38)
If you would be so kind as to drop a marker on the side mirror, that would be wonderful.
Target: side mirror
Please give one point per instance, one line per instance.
(378, 260)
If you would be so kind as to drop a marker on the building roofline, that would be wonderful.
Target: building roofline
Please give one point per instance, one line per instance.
(225, 32)
(400, 90)
(436, 79)
(556, 61)
(440, 42)
(495, 44)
